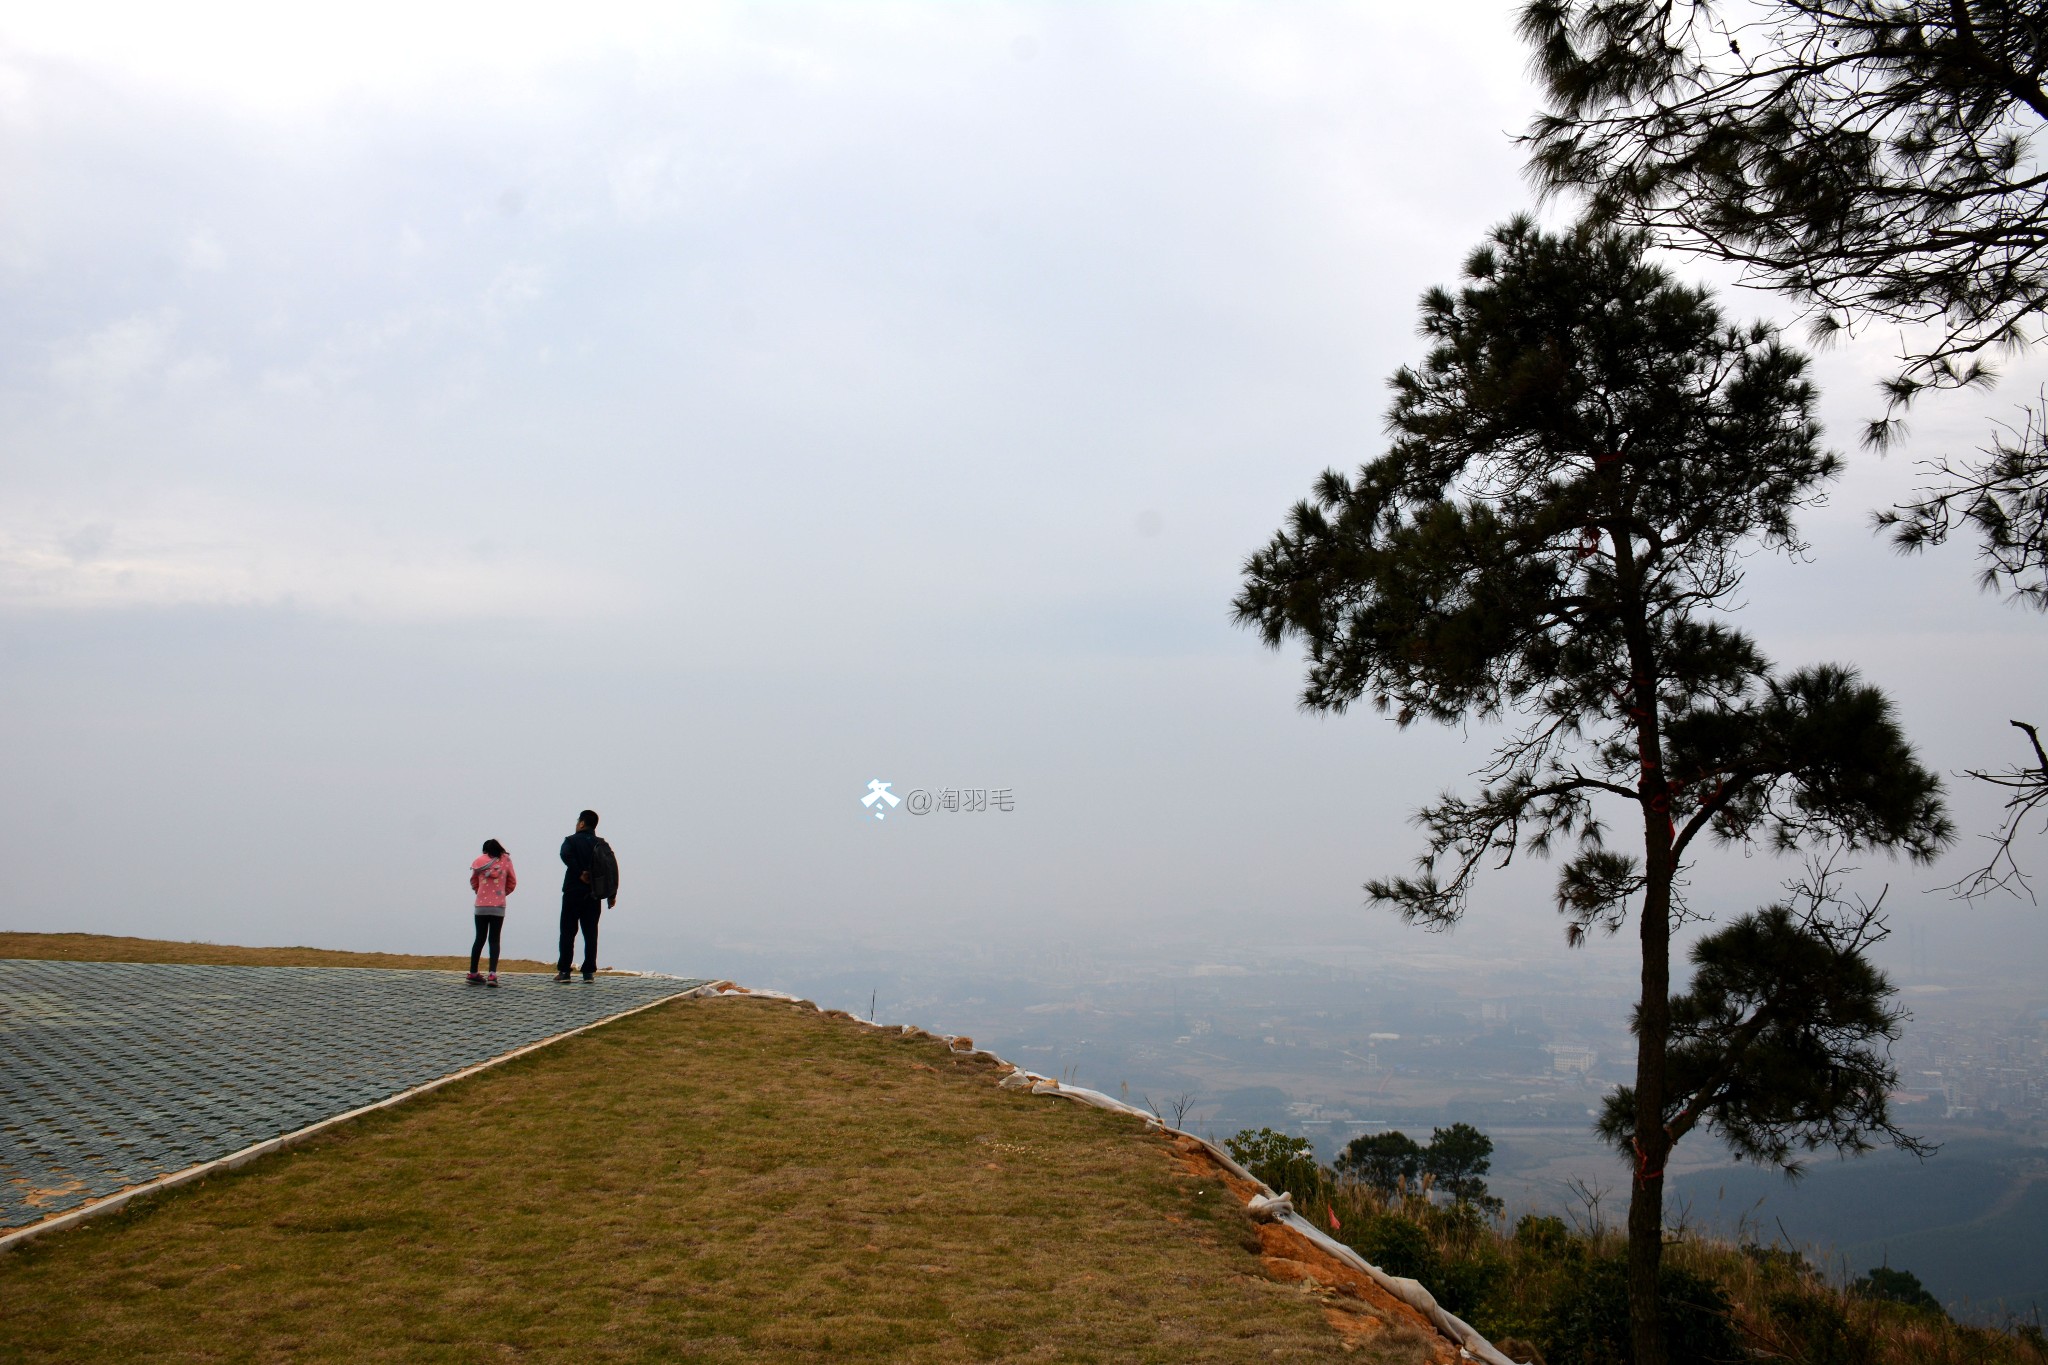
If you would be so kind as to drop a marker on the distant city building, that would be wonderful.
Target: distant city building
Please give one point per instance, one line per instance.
(1569, 1059)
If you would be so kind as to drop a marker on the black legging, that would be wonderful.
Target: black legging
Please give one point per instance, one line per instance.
(487, 926)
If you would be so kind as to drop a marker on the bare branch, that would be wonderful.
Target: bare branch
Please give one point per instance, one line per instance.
(2029, 788)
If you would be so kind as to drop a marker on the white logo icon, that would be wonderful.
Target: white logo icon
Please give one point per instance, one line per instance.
(878, 790)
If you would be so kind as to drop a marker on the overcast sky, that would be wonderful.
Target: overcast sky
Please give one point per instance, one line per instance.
(422, 421)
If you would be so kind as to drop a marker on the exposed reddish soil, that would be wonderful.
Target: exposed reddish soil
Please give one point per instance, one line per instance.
(1354, 1303)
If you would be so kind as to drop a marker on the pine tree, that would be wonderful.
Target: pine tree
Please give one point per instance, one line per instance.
(1873, 159)
(1457, 1160)
(1579, 467)
(1781, 1045)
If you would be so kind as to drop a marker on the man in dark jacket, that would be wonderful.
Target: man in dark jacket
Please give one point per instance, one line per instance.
(580, 905)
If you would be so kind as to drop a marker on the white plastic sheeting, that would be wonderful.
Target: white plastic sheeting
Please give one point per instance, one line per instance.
(1269, 1205)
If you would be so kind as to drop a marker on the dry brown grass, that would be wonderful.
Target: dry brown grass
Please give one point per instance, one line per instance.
(111, 948)
(722, 1180)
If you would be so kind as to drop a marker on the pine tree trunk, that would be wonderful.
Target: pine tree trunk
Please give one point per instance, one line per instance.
(1653, 1013)
(1646, 1188)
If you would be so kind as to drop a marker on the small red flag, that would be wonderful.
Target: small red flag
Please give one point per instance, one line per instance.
(1335, 1226)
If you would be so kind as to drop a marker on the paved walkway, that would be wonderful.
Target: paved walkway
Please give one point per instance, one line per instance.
(114, 1073)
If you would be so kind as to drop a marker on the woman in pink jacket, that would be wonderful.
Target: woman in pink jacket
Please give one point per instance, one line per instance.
(493, 879)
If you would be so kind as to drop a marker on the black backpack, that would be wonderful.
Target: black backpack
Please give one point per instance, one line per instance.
(604, 871)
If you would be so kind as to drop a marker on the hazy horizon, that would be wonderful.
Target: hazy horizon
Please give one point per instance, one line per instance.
(413, 442)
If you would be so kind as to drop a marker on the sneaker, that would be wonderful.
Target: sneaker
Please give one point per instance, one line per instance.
(491, 980)
(590, 976)
(561, 976)
(475, 979)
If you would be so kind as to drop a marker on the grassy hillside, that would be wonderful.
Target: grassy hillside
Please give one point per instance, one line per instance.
(714, 1179)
